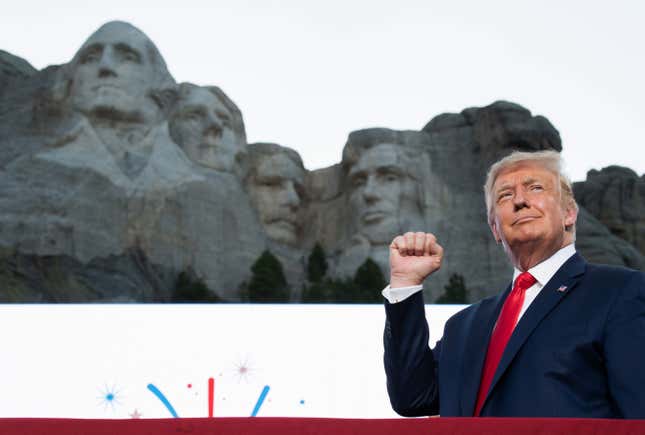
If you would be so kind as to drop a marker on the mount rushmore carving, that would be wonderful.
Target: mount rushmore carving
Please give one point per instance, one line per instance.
(115, 179)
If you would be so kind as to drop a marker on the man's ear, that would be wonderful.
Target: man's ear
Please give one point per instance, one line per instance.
(493, 228)
(570, 215)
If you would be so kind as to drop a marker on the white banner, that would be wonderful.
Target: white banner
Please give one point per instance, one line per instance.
(157, 361)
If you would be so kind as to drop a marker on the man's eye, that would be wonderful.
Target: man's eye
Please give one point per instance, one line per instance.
(224, 119)
(131, 57)
(90, 57)
(358, 181)
(270, 182)
(126, 54)
(193, 115)
(503, 196)
(537, 187)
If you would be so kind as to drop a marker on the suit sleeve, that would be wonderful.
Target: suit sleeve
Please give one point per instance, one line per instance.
(410, 366)
(624, 345)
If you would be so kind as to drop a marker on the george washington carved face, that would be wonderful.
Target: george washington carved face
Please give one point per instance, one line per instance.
(114, 75)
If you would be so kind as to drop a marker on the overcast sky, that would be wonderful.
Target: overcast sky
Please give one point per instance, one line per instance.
(307, 73)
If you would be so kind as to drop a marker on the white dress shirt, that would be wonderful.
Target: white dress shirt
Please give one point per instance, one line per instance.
(542, 273)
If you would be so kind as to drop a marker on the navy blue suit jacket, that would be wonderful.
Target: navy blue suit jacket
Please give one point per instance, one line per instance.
(574, 353)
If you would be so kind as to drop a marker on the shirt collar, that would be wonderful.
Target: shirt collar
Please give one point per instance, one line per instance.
(545, 270)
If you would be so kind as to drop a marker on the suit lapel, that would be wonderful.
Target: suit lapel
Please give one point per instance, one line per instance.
(475, 351)
(562, 283)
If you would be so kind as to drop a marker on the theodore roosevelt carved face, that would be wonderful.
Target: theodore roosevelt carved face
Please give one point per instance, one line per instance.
(275, 184)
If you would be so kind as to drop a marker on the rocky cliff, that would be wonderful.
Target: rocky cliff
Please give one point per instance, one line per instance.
(115, 179)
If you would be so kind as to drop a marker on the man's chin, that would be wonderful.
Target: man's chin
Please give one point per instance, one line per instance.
(108, 100)
(283, 232)
(222, 162)
(380, 233)
(526, 239)
(114, 110)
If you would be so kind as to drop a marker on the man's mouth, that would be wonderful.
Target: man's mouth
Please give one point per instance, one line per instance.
(374, 216)
(287, 222)
(107, 86)
(524, 219)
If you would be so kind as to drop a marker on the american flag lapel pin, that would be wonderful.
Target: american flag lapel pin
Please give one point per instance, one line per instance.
(562, 288)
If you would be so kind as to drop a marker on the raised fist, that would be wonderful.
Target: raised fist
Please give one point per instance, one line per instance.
(413, 257)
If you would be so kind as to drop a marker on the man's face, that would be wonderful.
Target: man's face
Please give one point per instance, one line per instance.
(276, 191)
(378, 183)
(202, 125)
(528, 210)
(112, 73)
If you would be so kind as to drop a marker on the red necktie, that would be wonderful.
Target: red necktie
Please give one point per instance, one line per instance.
(502, 332)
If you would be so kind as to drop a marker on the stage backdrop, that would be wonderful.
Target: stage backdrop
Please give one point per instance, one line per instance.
(155, 361)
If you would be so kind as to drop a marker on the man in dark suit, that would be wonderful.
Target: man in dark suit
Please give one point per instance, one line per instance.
(566, 338)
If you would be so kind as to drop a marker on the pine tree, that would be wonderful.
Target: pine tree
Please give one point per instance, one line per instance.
(317, 292)
(455, 292)
(268, 283)
(190, 289)
(317, 264)
(368, 282)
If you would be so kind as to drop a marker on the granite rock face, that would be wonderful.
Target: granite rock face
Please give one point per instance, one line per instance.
(115, 179)
(616, 197)
(597, 244)
(128, 277)
(13, 68)
(90, 170)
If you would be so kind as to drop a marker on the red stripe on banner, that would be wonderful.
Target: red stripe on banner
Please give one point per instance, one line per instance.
(211, 396)
(322, 426)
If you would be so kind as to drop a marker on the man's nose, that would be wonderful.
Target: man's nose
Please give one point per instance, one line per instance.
(290, 195)
(519, 199)
(213, 127)
(107, 66)
(370, 190)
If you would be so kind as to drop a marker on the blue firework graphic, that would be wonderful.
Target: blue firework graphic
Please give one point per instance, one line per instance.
(109, 397)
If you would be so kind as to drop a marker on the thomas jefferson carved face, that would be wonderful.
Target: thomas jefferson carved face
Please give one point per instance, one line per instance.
(276, 189)
(113, 74)
(203, 126)
(381, 191)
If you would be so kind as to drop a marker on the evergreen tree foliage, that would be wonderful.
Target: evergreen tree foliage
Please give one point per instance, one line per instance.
(364, 287)
(455, 292)
(368, 282)
(317, 264)
(317, 292)
(190, 289)
(268, 283)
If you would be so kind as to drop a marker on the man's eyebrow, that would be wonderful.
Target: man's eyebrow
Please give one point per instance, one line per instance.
(269, 177)
(127, 48)
(502, 187)
(392, 168)
(530, 180)
(525, 182)
(193, 107)
(92, 47)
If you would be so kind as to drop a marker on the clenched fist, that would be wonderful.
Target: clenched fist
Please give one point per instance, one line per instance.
(413, 257)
